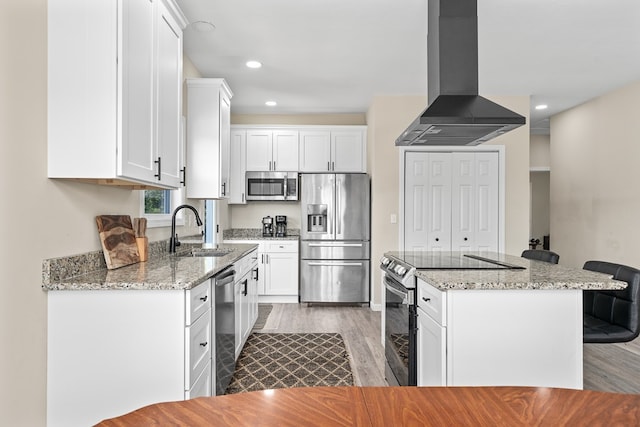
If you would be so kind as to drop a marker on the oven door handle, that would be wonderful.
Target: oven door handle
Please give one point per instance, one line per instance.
(393, 290)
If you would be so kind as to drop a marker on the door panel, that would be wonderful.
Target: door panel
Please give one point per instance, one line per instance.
(317, 206)
(259, 143)
(353, 201)
(439, 199)
(463, 202)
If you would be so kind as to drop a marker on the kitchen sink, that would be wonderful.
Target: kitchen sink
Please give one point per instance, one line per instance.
(204, 253)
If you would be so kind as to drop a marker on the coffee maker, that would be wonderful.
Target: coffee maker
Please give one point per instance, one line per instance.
(267, 226)
(281, 226)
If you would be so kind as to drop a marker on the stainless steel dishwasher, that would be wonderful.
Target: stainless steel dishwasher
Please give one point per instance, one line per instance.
(225, 328)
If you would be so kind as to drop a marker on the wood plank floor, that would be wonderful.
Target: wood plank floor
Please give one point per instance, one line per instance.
(607, 367)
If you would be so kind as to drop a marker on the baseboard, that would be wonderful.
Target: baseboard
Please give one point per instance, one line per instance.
(375, 307)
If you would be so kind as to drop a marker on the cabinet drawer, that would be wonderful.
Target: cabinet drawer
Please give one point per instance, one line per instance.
(281, 246)
(198, 301)
(202, 386)
(198, 348)
(432, 301)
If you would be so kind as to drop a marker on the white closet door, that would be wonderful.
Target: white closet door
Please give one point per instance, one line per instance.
(439, 202)
(486, 194)
(463, 202)
(451, 201)
(416, 196)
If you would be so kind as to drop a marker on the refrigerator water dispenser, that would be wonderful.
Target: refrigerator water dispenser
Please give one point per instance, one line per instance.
(317, 218)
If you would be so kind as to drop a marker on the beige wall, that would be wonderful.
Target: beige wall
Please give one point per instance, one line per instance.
(387, 117)
(539, 154)
(41, 218)
(517, 197)
(595, 198)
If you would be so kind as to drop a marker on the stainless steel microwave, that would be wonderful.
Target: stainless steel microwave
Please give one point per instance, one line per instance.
(272, 185)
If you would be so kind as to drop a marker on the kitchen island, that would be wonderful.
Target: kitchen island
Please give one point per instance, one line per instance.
(518, 324)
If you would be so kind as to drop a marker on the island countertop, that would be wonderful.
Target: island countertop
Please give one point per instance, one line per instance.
(535, 274)
(167, 272)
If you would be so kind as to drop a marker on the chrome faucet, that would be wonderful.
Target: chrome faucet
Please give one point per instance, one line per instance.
(173, 241)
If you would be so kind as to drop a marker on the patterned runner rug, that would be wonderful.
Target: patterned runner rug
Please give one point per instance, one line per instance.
(271, 361)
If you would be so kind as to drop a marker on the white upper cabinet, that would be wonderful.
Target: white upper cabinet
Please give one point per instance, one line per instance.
(315, 151)
(114, 91)
(238, 167)
(333, 150)
(272, 150)
(208, 138)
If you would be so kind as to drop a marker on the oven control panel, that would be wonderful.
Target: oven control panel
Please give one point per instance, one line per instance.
(399, 271)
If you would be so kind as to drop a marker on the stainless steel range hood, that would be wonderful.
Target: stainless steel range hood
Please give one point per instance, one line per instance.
(456, 114)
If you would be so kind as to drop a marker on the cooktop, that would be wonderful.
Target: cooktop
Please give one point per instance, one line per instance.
(452, 261)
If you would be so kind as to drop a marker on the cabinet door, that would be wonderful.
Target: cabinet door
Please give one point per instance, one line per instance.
(208, 130)
(136, 147)
(246, 313)
(169, 68)
(348, 151)
(259, 151)
(431, 352)
(238, 167)
(225, 143)
(285, 150)
(262, 273)
(238, 306)
(315, 151)
(282, 274)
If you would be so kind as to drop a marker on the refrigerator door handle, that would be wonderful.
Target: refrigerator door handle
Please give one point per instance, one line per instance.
(335, 245)
(338, 210)
(336, 264)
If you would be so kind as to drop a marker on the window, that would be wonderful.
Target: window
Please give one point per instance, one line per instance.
(158, 205)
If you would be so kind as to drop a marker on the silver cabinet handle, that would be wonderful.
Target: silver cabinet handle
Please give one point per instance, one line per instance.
(335, 245)
(328, 166)
(274, 165)
(333, 166)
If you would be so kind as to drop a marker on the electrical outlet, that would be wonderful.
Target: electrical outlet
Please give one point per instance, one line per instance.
(394, 219)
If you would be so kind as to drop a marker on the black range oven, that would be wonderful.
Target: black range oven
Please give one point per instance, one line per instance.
(400, 330)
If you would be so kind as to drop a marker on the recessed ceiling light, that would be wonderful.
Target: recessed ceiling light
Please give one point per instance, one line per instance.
(271, 103)
(541, 107)
(203, 26)
(254, 64)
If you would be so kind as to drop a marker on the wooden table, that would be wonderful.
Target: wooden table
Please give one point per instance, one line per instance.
(395, 406)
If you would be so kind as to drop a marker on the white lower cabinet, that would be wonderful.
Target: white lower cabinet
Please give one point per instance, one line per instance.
(281, 271)
(110, 352)
(246, 298)
(432, 351)
(277, 269)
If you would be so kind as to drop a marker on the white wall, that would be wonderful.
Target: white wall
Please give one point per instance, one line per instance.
(41, 218)
(595, 196)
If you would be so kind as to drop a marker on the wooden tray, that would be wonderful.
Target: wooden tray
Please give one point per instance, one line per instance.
(118, 240)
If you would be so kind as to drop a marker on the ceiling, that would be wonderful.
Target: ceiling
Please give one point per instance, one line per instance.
(334, 56)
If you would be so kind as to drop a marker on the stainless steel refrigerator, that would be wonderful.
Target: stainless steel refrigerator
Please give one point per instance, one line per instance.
(334, 232)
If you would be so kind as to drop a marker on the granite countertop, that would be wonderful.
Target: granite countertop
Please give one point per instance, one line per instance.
(256, 234)
(166, 272)
(535, 275)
